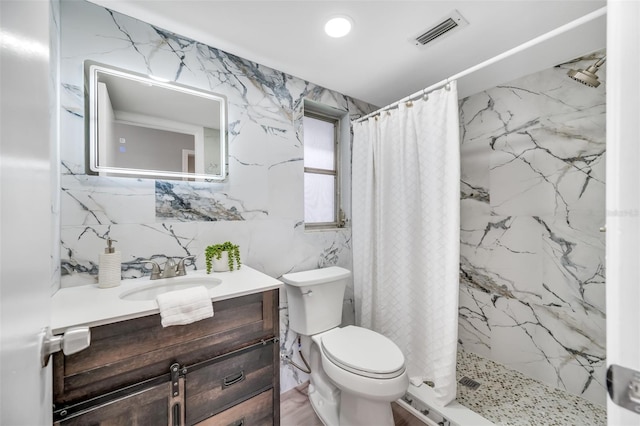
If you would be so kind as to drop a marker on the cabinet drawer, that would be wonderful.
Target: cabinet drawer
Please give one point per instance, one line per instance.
(131, 351)
(217, 386)
(148, 407)
(256, 411)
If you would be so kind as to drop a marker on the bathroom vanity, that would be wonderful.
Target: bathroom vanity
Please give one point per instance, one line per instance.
(223, 370)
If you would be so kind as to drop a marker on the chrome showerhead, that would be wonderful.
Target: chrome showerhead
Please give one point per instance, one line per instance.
(588, 77)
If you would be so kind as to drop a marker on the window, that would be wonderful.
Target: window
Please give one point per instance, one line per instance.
(321, 180)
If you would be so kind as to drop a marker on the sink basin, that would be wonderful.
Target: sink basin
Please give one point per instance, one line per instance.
(152, 289)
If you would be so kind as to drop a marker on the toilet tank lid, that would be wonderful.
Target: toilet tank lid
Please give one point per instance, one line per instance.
(316, 276)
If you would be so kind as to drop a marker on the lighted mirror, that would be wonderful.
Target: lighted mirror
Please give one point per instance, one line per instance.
(139, 126)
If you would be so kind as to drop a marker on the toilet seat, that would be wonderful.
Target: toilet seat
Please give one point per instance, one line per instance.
(363, 352)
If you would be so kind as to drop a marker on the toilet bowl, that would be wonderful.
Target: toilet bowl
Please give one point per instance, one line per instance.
(355, 372)
(364, 363)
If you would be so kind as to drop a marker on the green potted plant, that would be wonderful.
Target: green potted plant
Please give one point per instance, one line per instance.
(222, 257)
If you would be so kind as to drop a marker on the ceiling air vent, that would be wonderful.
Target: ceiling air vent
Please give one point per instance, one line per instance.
(452, 21)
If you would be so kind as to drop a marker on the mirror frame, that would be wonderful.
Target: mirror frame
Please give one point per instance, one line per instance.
(91, 71)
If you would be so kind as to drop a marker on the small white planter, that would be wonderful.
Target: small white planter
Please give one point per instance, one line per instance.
(222, 264)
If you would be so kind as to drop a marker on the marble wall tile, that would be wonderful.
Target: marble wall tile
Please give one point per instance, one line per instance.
(260, 206)
(553, 344)
(474, 175)
(81, 246)
(574, 258)
(96, 200)
(474, 329)
(532, 270)
(188, 202)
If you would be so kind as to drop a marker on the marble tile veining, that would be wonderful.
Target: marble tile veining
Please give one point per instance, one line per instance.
(532, 266)
(260, 205)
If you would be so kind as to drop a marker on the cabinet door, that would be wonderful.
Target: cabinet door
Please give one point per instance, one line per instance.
(151, 406)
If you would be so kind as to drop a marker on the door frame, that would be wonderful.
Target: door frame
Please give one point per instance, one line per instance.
(623, 195)
(28, 185)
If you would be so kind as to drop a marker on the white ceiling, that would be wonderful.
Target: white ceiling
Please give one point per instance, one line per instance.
(378, 61)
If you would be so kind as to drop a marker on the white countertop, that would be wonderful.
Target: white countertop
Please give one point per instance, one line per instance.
(92, 306)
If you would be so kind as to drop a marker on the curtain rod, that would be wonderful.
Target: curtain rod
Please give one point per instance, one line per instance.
(553, 33)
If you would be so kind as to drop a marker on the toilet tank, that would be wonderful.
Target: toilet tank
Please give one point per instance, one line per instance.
(315, 299)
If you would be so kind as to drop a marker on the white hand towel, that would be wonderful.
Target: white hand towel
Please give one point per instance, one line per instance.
(182, 307)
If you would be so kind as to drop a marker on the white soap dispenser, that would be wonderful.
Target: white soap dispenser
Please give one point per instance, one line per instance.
(110, 267)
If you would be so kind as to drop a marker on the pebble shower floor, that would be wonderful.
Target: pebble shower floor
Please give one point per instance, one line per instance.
(508, 397)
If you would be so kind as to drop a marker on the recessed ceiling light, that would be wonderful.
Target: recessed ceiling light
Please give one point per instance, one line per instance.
(338, 26)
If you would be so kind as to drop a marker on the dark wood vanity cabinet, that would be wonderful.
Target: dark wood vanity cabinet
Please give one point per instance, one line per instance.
(220, 371)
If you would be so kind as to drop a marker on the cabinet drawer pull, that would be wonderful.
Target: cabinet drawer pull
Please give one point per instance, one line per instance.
(237, 423)
(232, 379)
(176, 415)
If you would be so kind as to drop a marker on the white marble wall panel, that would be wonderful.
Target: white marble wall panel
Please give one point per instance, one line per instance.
(474, 178)
(532, 202)
(93, 200)
(260, 207)
(575, 258)
(475, 309)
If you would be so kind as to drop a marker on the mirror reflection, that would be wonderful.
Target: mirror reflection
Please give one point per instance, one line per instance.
(142, 127)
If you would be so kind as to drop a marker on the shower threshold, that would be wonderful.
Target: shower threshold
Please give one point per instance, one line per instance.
(421, 401)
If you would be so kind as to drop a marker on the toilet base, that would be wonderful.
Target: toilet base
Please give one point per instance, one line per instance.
(351, 410)
(358, 411)
(326, 410)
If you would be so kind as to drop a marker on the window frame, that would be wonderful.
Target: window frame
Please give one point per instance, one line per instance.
(338, 221)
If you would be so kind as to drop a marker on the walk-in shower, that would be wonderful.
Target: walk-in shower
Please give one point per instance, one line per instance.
(531, 256)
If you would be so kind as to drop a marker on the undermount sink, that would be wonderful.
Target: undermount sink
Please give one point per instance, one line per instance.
(154, 288)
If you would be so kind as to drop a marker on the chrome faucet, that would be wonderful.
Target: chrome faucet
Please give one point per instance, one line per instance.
(180, 269)
(171, 268)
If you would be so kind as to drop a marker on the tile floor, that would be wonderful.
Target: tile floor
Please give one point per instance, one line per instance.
(508, 397)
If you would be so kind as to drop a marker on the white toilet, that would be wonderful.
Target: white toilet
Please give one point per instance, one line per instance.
(355, 372)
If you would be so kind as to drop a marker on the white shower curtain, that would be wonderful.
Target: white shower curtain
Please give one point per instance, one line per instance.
(406, 225)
